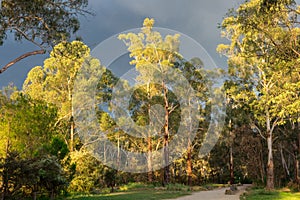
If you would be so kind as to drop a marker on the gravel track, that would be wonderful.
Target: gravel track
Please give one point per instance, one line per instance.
(217, 194)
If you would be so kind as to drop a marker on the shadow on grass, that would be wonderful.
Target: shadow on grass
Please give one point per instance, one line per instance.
(135, 195)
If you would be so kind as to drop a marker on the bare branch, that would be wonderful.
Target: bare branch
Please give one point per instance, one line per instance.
(4, 68)
(259, 131)
(172, 108)
(26, 37)
(274, 124)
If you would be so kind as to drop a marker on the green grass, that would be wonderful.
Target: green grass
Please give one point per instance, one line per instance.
(136, 191)
(134, 195)
(136, 186)
(261, 194)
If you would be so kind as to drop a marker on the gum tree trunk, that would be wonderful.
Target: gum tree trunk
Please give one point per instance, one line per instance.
(149, 142)
(166, 137)
(270, 164)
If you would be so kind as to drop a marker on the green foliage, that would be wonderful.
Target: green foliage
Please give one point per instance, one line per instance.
(150, 48)
(82, 183)
(263, 86)
(26, 168)
(110, 176)
(154, 56)
(50, 175)
(54, 83)
(26, 124)
(262, 57)
(264, 66)
(178, 187)
(257, 194)
(41, 22)
(58, 148)
(55, 80)
(135, 186)
(23, 177)
(88, 172)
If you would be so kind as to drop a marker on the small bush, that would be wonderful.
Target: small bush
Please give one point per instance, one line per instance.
(135, 186)
(178, 187)
(81, 184)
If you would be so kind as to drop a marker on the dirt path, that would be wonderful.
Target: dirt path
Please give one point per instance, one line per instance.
(217, 194)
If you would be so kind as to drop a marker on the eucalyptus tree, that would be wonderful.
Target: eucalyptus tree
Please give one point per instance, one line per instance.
(262, 59)
(41, 23)
(54, 82)
(161, 70)
(150, 50)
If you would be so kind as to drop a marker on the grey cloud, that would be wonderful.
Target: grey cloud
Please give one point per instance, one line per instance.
(198, 19)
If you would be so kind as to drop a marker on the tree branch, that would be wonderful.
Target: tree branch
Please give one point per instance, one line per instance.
(274, 124)
(259, 131)
(4, 68)
(26, 36)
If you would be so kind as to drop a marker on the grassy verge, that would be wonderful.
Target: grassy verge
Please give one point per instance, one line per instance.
(262, 194)
(135, 195)
(136, 191)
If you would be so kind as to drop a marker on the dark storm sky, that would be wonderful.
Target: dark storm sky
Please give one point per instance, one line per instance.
(196, 18)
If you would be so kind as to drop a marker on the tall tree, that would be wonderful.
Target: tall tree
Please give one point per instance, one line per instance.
(150, 50)
(156, 58)
(54, 81)
(42, 23)
(262, 57)
(201, 81)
